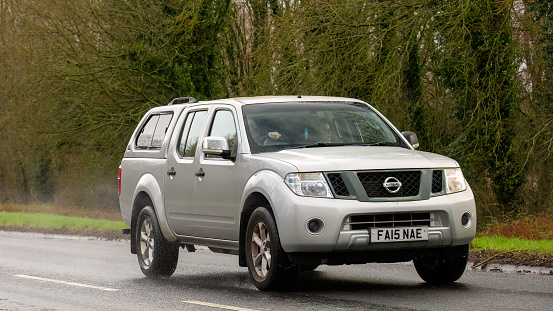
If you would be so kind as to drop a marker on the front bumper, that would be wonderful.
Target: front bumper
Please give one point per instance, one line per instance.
(292, 213)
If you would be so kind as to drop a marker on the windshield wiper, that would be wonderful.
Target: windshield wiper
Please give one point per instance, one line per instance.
(384, 143)
(319, 144)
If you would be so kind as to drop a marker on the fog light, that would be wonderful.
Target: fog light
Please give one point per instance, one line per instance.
(466, 220)
(315, 226)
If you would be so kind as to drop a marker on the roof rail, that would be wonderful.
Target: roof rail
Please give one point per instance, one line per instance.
(178, 100)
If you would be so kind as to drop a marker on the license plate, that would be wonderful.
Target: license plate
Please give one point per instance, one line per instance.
(399, 234)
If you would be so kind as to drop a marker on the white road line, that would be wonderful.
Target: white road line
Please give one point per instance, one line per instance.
(66, 283)
(208, 304)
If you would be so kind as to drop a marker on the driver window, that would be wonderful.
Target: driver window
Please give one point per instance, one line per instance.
(190, 134)
(223, 126)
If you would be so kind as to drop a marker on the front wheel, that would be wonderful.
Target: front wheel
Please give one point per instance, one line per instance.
(268, 264)
(156, 256)
(436, 270)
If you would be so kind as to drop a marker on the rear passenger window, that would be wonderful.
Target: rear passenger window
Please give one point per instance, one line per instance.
(153, 132)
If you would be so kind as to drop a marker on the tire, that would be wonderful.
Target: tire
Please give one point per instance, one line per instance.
(268, 265)
(156, 256)
(435, 270)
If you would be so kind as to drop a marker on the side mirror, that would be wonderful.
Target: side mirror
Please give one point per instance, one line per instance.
(411, 138)
(216, 146)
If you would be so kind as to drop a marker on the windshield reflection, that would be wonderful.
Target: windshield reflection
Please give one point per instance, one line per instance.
(277, 126)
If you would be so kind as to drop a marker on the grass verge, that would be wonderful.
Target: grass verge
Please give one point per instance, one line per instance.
(503, 244)
(50, 221)
(100, 213)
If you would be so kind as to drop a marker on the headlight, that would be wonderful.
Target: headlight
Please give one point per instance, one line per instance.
(454, 180)
(308, 184)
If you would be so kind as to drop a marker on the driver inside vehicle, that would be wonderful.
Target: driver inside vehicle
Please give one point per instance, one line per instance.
(292, 130)
(317, 132)
(261, 135)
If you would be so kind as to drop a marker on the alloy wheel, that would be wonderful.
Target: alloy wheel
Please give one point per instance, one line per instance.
(146, 242)
(261, 249)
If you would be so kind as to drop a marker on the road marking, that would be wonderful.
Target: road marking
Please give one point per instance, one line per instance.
(208, 304)
(66, 283)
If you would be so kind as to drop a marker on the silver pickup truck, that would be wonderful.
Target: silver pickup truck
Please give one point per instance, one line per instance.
(289, 183)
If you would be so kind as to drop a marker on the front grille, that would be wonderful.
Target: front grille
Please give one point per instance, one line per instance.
(437, 181)
(361, 222)
(373, 182)
(338, 184)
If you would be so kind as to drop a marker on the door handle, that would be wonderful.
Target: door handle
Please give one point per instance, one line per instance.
(200, 173)
(172, 172)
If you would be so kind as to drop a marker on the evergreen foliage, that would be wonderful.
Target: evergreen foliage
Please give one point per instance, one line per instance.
(472, 78)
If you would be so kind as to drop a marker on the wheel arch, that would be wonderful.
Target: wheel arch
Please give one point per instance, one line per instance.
(148, 186)
(141, 200)
(253, 201)
(256, 193)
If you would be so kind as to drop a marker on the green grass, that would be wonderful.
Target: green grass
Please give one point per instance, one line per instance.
(504, 244)
(49, 221)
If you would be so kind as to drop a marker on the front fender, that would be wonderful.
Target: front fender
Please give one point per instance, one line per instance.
(263, 182)
(267, 182)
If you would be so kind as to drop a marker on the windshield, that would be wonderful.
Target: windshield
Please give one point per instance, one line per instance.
(277, 126)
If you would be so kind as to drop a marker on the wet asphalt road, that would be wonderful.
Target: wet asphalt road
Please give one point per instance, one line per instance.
(39, 272)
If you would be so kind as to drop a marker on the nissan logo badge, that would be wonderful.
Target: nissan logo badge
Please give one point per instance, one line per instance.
(392, 185)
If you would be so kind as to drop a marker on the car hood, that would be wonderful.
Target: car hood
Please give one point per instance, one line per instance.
(350, 158)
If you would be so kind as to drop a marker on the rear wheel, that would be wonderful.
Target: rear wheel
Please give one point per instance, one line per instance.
(156, 256)
(268, 264)
(439, 270)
